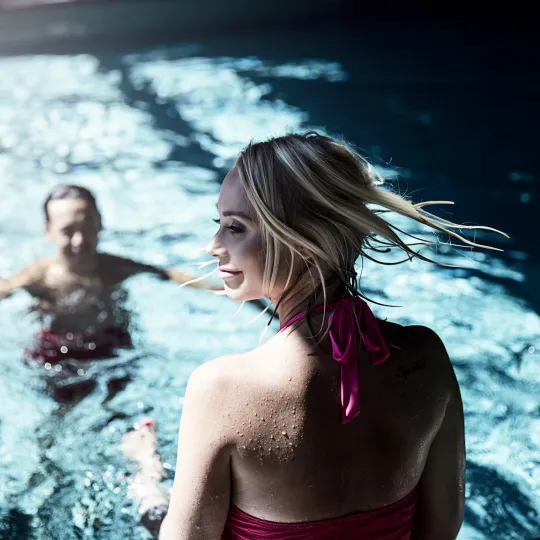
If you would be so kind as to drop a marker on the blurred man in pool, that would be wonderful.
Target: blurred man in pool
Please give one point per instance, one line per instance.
(78, 290)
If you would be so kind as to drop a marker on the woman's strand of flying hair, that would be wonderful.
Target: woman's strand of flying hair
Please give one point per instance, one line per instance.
(407, 209)
(257, 317)
(196, 280)
(450, 224)
(415, 211)
(403, 246)
(421, 241)
(401, 205)
(391, 201)
(218, 293)
(239, 309)
(202, 265)
(383, 228)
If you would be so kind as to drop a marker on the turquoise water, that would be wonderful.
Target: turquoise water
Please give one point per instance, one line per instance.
(152, 134)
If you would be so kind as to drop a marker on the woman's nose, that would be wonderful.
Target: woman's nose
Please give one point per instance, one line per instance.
(215, 248)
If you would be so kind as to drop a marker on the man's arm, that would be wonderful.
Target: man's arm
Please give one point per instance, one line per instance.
(441, 490)
(25, 278)
(129, 267)
(200, 495)
(190, 280)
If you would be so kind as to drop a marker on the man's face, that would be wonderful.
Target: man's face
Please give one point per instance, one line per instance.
(73, 227)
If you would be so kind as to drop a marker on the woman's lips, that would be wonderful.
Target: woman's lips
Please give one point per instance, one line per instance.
(228, 274)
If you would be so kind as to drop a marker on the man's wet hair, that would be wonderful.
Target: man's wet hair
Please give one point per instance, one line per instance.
(69, 192)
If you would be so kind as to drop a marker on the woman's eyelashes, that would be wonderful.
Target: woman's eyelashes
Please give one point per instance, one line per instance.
(235, 227)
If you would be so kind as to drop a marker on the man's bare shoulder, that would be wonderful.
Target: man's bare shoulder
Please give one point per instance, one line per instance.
(114, 268)
(110, 261)
(27, 277)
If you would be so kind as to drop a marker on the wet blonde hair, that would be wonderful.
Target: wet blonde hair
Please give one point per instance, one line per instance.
(319, 202)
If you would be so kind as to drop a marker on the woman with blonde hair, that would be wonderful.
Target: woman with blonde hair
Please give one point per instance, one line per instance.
(341, 426)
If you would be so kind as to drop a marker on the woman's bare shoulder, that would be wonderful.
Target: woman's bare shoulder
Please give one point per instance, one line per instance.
(417, 340)
(236, 377)
(417, 353)
(220, 375)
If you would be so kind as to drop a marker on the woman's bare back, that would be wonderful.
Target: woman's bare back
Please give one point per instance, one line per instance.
(292, 446)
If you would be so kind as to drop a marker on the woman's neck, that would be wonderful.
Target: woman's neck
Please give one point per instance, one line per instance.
(302, 300)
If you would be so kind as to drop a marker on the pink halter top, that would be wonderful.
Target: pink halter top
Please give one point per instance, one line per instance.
(348, 316)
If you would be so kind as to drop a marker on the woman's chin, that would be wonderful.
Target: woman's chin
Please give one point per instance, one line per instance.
(239, 295)
(234, 294)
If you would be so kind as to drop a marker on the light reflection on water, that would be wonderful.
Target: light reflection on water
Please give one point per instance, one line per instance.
(65, 119)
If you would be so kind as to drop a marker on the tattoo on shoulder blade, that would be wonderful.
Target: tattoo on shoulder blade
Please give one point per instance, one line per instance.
(415, 367)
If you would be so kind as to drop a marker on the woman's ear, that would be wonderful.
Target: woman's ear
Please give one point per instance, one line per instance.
(305, 253)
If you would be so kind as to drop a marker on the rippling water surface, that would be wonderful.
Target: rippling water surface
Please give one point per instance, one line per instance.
(152, 134)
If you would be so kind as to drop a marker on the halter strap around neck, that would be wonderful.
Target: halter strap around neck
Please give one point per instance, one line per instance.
(348, 316)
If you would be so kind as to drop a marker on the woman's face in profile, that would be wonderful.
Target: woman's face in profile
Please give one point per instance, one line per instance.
(238, 243)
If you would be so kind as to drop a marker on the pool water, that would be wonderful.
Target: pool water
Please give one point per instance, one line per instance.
(152, 133)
